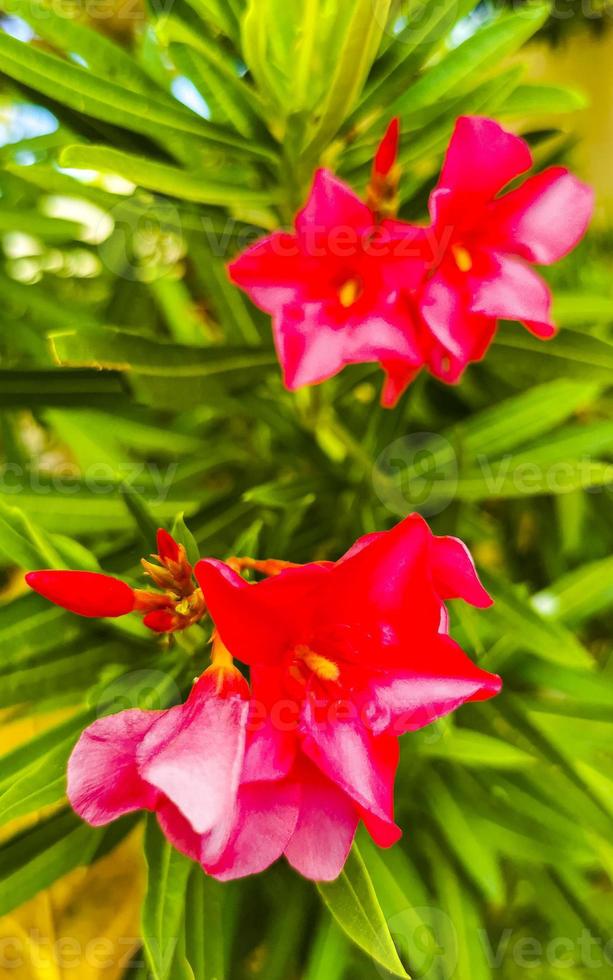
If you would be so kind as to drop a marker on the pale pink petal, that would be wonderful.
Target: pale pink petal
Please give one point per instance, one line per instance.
(440, 680)
(266, 818)
(510, 290)
(103, 778)
(325, 829)
(454, 572)
(543, 219)
(194, 755)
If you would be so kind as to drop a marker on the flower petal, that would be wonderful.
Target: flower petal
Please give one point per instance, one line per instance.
(257, 621)
(332, 206)
(544, 218)
(361, 764)
(482, 158)
(103, 777)
(444, 305)
(194, 755)
(510, 290)
(442, 679)
(454, 572)
(266, 818)
(384, 591)
(84, 593)
(272, 272)
(325, 829)
(398, 377)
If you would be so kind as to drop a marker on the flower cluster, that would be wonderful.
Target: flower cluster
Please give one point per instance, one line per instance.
(342, 658)
(352, 284)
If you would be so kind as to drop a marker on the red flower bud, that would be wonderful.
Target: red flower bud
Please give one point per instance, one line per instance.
(168, 549)
(162, 621)
(84, 593)
(385, 157)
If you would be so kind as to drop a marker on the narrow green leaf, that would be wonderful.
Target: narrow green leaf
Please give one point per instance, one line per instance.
(163, 908)
(162, 178)
(353, 903)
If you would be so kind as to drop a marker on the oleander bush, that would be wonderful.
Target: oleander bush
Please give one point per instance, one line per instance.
(140, 389)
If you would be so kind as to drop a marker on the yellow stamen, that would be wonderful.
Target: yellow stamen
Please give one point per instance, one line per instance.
(462, 258)
(349, 292)
(323, 668)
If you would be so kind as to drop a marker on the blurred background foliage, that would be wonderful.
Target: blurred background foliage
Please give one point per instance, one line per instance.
(140, 149)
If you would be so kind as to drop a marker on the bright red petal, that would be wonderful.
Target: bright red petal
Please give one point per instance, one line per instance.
(363, 765)
(383, 594)
(84, 593)
(332, 206)
(454, 572)
(258, 622)
(482, 158)
(440, 679)
(273, 271)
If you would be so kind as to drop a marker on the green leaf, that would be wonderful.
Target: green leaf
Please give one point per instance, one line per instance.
(204, 927)
(475, 749)
(92, 95)
(114, 349)
(531, 99)
(484, 49)
(580, 594)
(353, 903)
(23, 543)
(184, 536)
(69, 388)
(545, 638)
(32, 861)
(355, 54)
(163, 908)
(478, 861)
(569, 355)
(162, 178)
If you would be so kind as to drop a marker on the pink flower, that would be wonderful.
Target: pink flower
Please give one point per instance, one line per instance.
(333, 287)
(183, 764)
(344, 657)
(480, 245)
(93, 594)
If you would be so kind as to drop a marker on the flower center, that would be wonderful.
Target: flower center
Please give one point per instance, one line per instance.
(324, 669)
(462, 258)
(349, 292)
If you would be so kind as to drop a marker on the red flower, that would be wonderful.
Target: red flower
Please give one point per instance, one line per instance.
(333, 288)
(95, 595)
(345, 657)
(480, 243)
